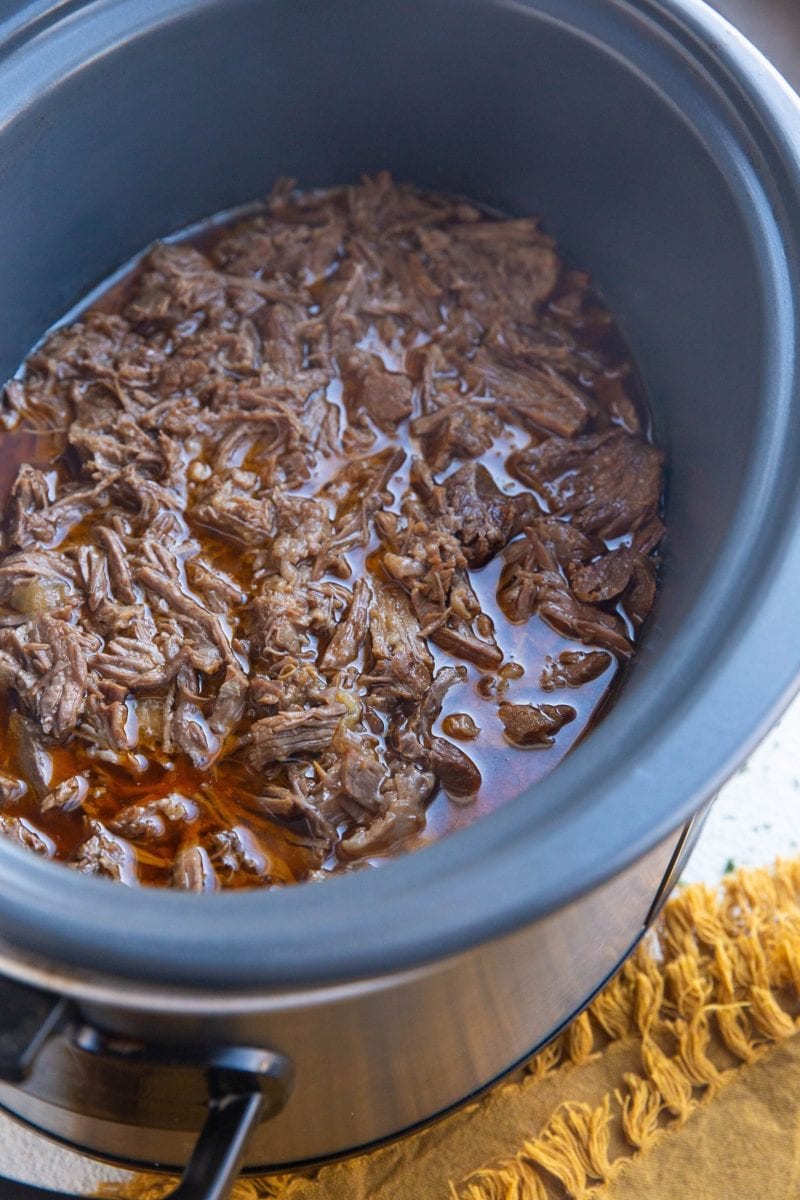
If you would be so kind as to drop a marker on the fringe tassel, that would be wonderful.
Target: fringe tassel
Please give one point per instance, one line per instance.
(718, 982)
(612, 1009)
(580, 1040)
(640, 1106)
(718, 972)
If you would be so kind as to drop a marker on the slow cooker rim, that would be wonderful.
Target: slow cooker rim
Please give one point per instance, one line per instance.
(431, 906)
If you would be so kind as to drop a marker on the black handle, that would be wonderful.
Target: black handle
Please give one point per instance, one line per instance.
(28, 1018)
(215, 1162)
(246, 1085)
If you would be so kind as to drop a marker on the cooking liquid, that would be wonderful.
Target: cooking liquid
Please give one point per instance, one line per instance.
(228, 790)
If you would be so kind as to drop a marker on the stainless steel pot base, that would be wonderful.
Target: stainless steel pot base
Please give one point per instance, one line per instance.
(120, 1086)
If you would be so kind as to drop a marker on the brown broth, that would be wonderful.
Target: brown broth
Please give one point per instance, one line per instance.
(227, 789)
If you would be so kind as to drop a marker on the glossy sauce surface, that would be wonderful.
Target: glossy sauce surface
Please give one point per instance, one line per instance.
(226, 793)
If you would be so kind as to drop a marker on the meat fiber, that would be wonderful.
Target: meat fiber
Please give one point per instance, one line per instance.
(295, 507)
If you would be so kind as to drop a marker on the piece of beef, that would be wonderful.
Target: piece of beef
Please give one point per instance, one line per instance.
(288, 734)
(351, 632)
(106, 725)
(362, 776)
(358, 490)
(219, 592)
(229, 703)
(303, 534)
(45, 660)
(192, 870)
(328, 604)
(564, 543)
(454, 769)
(189, 730)
(246, 519)
(16, 669)
(151, 819)
(430, 564)
(294, 683)
(461, 726)
(176, 601)
(648, 536)
(641, 591)
(32, 580)
(177, 284)
(407, 289)
(457, 431)
(461, 628)
(469, 505)
(299, 249)
(611, 391)
(103, 853)
(532, 582)
(127, 661)
(609, 483)
(237, 850)
(528, 563)
(377, 206)
(291, 801)
(254, 422)
(117, 450)
(413, 739)
(278, 619)
(406, 793)
(385, 396)
(118, 570)
(412, 736)
(602, 579)
(60, 694)
(536, 396)
(584, 622)
(496, 269)
(34, 762)
(534, 725)
(50, 525)
(573, 668)
(30, 496)
(11, 789)
(68, 795)
(93, 567)
(22, 831)
(402, 665)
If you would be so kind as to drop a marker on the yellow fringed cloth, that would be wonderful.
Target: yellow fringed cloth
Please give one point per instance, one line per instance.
(680, 1082)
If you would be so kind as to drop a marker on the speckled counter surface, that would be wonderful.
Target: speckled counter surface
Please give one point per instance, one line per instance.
(757, 815)
(755, 819)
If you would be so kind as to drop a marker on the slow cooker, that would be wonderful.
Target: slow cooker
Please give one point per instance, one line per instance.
(273, 1030)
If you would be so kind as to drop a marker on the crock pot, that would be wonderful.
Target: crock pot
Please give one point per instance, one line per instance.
(305, 1023)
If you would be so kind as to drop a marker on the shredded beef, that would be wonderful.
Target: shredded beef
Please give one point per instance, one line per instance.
(534, 725)
(459, 431)
(289, 734)
(533, 581)
(193, 871)
(536, 396)
(11, 788)
(24, 833)
(68, 796)
(608, 483)
(573, 668)
(350, 633)
(306, 499)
